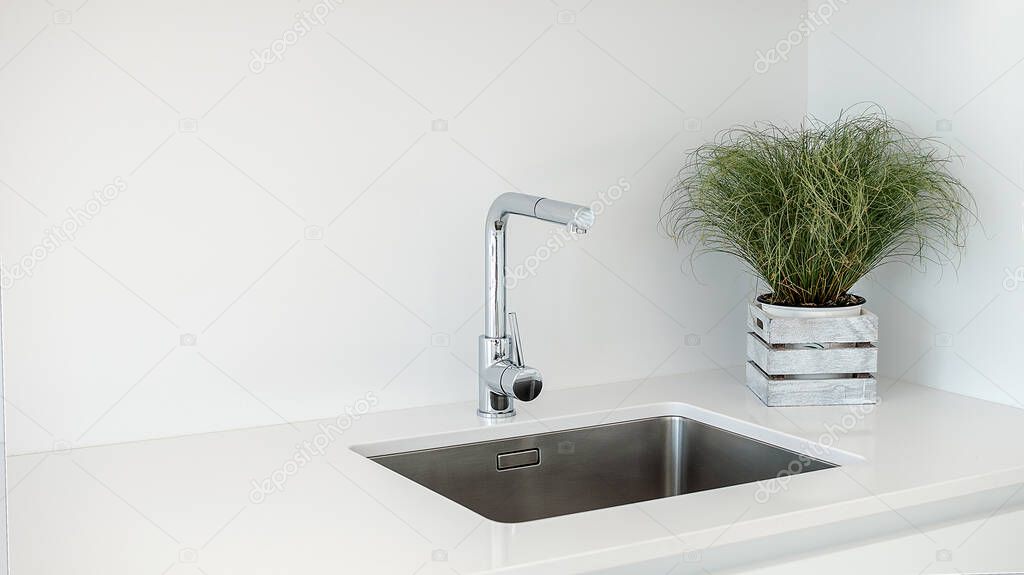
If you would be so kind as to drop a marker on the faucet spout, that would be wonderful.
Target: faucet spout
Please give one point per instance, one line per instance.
(578, 218)
(503, 376)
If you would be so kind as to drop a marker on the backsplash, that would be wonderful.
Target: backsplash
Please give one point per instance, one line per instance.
(208, 230)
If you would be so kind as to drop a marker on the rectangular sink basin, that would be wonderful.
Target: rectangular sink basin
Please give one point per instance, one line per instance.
(563, 472)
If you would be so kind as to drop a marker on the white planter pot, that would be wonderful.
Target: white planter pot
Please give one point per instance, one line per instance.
(811, 312)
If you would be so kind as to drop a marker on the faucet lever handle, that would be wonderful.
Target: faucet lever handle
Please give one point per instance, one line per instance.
(515, 352)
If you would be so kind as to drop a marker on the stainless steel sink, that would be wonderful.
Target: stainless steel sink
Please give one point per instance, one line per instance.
(562, 472)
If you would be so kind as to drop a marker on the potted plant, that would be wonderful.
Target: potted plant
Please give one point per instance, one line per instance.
(810, 211)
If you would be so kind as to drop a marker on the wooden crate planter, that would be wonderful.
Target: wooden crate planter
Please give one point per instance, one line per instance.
(812, 361)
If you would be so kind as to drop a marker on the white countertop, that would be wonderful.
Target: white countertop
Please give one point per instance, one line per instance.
(189, 505)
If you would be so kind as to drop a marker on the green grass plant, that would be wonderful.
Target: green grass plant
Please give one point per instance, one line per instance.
(811, 210)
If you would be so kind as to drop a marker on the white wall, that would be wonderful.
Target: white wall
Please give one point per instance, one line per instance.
(3, 463)
(950, 70)
(202, 298)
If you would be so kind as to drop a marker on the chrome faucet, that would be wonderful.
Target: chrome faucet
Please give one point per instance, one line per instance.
(503, 374)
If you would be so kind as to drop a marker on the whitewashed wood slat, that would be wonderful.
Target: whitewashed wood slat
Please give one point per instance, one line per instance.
(789, 360)
(780, 330)
(812, 361)
(783, 392)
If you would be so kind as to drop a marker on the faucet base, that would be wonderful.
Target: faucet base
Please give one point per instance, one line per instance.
(496, 415)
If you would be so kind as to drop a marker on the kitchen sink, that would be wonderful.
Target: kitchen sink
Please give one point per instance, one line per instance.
(563, 472)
